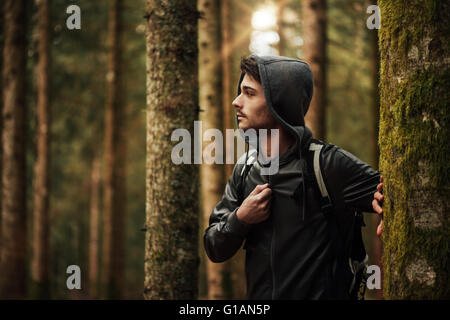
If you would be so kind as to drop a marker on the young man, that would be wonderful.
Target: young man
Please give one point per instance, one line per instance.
(293, 250)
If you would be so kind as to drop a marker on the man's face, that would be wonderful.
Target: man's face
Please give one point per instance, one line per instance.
(251, 106)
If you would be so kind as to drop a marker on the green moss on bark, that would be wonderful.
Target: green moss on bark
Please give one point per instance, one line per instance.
(415, 153)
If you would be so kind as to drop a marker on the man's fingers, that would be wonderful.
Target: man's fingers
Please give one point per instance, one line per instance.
(378, 196)
(377, 207)
(380, 187)
(265, 194)
(259, 188)
(380, 228)
(267, 204)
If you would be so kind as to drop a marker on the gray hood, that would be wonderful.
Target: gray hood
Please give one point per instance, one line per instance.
(288, 88)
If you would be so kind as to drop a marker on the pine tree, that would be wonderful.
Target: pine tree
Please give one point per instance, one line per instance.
(40, 262)
(211, 93)
(14, 229)
(314, 49)
(171, 253)
(114, 200)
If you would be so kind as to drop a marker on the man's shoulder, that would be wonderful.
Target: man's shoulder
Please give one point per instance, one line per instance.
(327, 149)
(340, 166)
(337, 151)
(337, 161)
(330, 151)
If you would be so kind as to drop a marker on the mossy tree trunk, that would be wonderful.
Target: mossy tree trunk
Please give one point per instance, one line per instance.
(40, 262)
(314, 48)
(374, 69)
(171, 242)
(14, 229)
(115, 151)
(414, 147)
(211, 93)
(375, 72)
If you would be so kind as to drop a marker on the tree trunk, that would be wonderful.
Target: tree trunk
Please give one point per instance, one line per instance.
(40, 263)
(414, 148)
(171, 251)
(240, 30)
(13, 235)
(211, 94)
(315, 38)
(375, 67)
(1, 98)
(93, 227)
(226, 77)
(114, 201)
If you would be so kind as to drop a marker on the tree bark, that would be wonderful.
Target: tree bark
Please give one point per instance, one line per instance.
(375, 71)
(115, 196)
(414, 148)
(225, 10)
(1, 97)
(315, 38)
(40, 262)
(375, 67)
(14, 231)
(240, 33)
(171, 245)
(211, 94)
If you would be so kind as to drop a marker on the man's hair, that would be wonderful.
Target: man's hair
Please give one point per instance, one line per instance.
(250, 67)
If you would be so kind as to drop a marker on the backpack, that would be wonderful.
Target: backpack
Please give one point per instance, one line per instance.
(355, 283)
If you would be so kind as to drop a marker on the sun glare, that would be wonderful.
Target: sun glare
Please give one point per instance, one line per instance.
(264, 36)
(264, 18)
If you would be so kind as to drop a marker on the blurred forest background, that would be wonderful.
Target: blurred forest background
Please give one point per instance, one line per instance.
(81, 80)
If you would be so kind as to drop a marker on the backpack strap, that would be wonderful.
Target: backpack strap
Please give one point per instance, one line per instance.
(326, 204)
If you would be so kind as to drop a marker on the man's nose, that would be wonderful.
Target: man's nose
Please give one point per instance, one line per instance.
(236, 102)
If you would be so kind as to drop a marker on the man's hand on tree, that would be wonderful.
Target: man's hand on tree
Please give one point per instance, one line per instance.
(256, 207)
(377, 203)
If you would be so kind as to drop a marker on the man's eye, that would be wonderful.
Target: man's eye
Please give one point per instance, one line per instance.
(249, 93)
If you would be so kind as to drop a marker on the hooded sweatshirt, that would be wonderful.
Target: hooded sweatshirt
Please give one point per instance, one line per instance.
(292, 254)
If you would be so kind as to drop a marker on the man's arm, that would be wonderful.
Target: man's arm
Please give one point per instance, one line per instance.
(352, 181)
(225, 233)
(229, 222)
